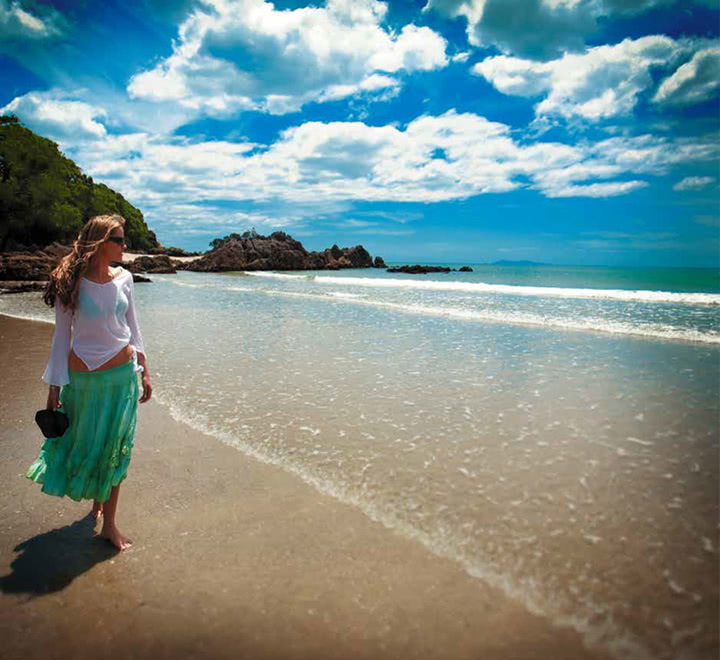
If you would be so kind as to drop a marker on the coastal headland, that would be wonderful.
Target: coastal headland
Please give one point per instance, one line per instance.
(232, 558)
(25, 269)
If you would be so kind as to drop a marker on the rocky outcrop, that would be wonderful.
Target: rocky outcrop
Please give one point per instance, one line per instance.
(277, 252)
(9, 286)
(28, 270)
(145, 264)
(31, 265)
(419, 270)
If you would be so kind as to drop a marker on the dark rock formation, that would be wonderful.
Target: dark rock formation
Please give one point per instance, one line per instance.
(29, 270)
(276, 252)
(140, 278)
(465, 269)
(158, 264)
(419, 270)
(23, 266)
(379, 263)
(358, 257)
(9, 286)
(31, 265)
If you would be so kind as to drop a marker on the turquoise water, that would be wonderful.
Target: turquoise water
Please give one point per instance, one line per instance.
(554, 432)
(596, 277)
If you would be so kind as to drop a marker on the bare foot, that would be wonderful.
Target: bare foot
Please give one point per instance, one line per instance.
(116, 538)
(96, 510)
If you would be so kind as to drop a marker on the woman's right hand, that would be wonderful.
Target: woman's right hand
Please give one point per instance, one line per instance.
(53, 400)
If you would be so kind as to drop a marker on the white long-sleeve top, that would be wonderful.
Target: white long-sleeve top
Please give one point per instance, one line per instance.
(104, 323)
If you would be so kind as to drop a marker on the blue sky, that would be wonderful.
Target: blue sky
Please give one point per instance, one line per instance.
(563, 131)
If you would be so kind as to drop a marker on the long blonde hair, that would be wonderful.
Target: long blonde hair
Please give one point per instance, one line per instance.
(66, 276)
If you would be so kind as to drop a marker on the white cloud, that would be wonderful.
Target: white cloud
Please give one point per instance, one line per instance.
(434, 158)
(596, 189)
(695, 81)
(655, 155)
(245, 54)
(538, 29)
(603, 82)
(57, 115)
(694, 183)
(314, 165)
(16, 22)
(372, 83)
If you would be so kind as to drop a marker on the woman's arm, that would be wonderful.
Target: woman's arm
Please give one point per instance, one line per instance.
(136, 341)
(56, 372)
(147, 387)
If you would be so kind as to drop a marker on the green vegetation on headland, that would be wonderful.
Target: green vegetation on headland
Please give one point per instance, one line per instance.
(45, 197)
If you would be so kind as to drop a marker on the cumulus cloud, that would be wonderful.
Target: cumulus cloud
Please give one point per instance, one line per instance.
(537, 29)
(16, 22)
(695, 81)
(246, 55)
(654, 155)
(694, 183)
(603, 82)
(433, 158)
(58, 115)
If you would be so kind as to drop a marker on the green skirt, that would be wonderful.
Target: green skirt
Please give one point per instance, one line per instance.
(94, 453)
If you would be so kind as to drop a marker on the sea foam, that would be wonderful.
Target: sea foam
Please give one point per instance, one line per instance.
(516, 290)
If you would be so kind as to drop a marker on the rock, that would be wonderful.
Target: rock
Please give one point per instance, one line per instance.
(158, 264)
(34, 267)
(277, 252)
(179, 252)
(419, 270)
(31, 264)
(465, 269)
(140, 278)
(358, 257)
(22, 266)
(379, 263)
(9, 286)
(57, 250)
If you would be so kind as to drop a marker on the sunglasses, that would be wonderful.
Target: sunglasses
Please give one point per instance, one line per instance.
(120, 240)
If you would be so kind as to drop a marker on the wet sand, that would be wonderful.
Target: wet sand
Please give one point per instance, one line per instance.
(232, 559)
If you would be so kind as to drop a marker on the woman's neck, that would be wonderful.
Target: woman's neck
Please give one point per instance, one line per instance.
(99, 269)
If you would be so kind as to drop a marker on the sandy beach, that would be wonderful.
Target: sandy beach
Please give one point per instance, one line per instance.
(129, 257)
(232, 558)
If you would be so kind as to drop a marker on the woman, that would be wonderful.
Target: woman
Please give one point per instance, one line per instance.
(96, 351)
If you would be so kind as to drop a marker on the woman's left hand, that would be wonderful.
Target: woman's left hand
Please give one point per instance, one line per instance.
(147, 389)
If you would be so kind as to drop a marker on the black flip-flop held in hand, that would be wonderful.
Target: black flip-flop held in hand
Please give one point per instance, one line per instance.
(52, 423)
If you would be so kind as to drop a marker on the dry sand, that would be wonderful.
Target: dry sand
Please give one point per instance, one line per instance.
(232, 559)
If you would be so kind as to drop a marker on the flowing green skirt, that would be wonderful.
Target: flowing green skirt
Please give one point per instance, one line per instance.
(94, 453)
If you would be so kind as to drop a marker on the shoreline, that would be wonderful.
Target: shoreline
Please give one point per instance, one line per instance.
(232, 558)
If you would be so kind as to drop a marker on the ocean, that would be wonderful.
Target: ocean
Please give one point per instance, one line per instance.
(555, 430)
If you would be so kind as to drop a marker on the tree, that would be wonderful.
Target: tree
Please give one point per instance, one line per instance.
(45, 197)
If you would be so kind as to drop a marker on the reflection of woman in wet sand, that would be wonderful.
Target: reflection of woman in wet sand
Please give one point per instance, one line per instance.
(96, 351)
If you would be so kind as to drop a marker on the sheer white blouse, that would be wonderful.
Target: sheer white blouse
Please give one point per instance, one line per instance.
(104, 323)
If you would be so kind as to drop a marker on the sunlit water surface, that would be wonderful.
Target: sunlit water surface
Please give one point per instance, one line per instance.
(559, 442)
